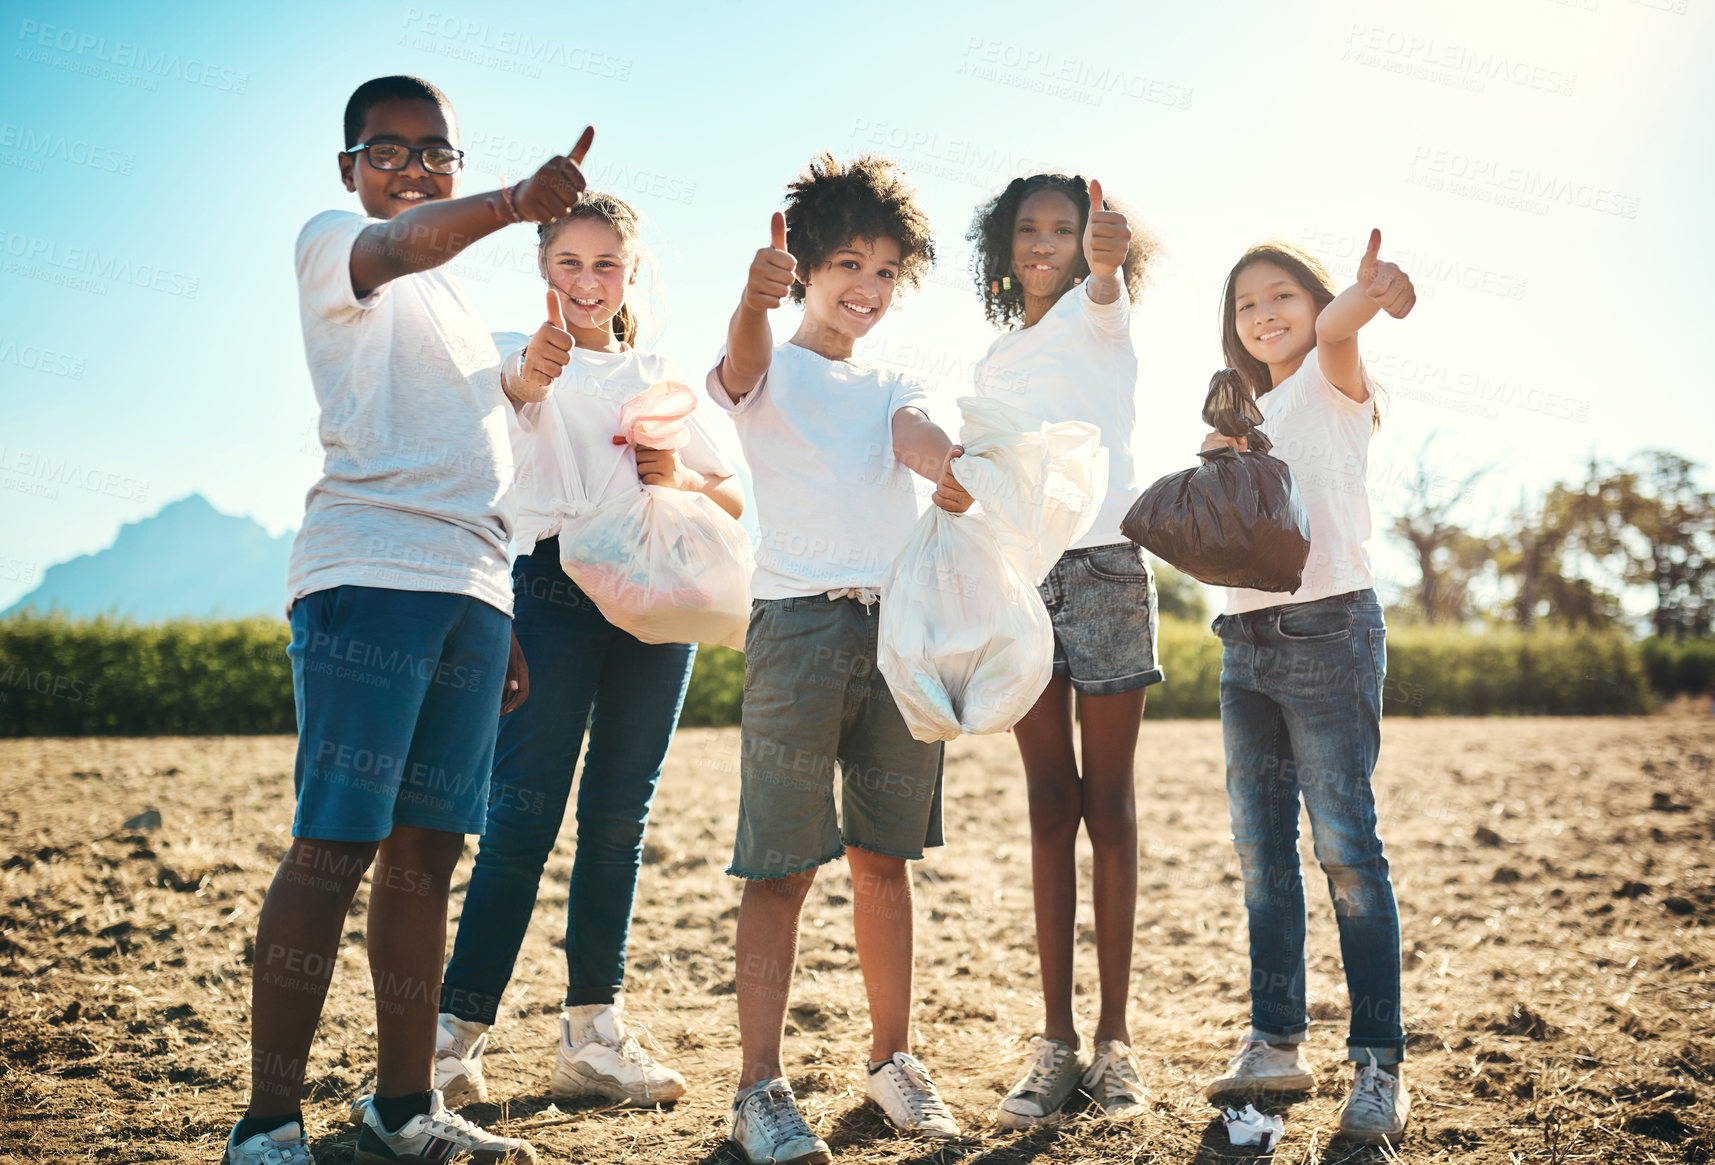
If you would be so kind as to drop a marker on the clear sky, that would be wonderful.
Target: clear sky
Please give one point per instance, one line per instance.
(1536, 165)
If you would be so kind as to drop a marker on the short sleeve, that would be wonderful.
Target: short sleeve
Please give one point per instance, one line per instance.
(907, 393)
(324, 266)
(701, 453)
(718, 393)
(1112, 320)
(1319, 381)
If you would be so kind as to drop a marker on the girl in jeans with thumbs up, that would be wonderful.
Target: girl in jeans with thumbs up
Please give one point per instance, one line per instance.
(583, 670)
(1301, 683)
(1058, 268)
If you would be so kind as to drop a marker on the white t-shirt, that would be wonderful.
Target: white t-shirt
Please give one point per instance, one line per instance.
(588, 395)
(1323, 435)
(833, 506)
(417, 461)
(1076, 364)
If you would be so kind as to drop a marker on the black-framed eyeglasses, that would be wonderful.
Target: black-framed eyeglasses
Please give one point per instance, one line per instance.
(392, 156)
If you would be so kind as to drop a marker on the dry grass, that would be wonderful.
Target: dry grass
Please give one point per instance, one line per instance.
(1554, 876)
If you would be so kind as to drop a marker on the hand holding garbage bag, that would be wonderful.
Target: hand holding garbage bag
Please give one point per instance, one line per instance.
(965, 643)
(1236, 519)
(665, 564)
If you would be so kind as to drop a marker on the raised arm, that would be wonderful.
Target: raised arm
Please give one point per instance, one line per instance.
(1380, 287)
(749, 340)
(427, 236)
(1107, 240)
(924, 448)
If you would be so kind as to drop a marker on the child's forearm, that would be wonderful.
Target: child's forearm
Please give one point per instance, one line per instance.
(920, 444)
(422, 238)
(1103, 289)
(749, 350)
(1341, 319)
(724, 492)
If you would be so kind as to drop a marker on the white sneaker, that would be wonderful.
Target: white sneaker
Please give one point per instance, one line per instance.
(1378, 1107)
(1113, 1080)
(442, 1135)
(459, 1045)
(768, 1129)
(599, 1057)
(1040, 1094)
(283, 1146)
(901, 1086)
(1262, 1067)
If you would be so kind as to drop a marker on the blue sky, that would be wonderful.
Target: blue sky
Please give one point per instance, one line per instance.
(1537, 165)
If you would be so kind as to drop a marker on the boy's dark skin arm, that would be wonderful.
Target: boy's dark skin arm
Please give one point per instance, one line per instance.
(433, 233)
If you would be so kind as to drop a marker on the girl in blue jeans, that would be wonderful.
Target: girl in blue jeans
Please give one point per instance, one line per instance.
(1301, 683)
(582, 671)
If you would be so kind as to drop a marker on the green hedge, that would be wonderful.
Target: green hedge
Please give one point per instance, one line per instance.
(1680, 669)
(60, 677)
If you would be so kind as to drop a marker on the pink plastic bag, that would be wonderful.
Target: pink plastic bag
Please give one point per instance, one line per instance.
(655, 417)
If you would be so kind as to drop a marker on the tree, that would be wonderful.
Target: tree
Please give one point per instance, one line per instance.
(1449, 556)
(1674, 542)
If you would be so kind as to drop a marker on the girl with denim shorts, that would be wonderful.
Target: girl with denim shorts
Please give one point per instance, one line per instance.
(582, 671)
(1301, 684)
(1063, 267)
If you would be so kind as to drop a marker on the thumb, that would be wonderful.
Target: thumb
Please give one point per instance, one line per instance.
(777, 231)
(585, 140)
(1375, 246)
(556, 311)
(1096, 202)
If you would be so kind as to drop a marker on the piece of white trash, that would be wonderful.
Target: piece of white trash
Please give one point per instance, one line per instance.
(1251, 1127)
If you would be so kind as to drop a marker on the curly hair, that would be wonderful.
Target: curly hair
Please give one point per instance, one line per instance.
(991, 237)
(831, 203)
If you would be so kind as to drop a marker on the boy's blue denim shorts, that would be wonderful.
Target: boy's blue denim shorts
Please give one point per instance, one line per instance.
(398, 696)
(813, 700)
(1101, 600)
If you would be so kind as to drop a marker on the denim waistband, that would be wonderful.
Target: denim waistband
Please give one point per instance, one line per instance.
(1086, 551)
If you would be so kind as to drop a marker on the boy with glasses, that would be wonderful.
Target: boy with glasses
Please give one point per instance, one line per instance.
(400, 600)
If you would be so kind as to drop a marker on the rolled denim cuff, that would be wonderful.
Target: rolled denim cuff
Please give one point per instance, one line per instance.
(1269, 1037)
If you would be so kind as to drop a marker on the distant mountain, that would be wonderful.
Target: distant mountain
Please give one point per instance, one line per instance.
(189, 560)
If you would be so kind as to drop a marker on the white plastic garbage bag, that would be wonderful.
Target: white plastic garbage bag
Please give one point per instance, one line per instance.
(1251, 1127)
(666, 565)
(965, 643)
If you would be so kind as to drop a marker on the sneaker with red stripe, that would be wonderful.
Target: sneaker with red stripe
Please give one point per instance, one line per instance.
(439, 1137)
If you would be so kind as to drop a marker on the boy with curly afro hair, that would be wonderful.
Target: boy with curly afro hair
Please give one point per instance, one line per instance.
(831, 444)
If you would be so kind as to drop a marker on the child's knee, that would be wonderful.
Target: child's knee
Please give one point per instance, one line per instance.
(332, 867)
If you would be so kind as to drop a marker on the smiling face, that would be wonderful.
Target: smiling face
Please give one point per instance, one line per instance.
(852, 290)
(587, 263)
(1274, 314)
(406, 122)
(1047, 243)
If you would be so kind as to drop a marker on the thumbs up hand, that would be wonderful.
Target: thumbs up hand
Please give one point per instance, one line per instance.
(772, 271)
(554, 189)
(1107, 236)
(1385, 283)
(549, 352)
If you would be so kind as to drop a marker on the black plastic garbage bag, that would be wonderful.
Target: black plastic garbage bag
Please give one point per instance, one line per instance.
(1236, 519)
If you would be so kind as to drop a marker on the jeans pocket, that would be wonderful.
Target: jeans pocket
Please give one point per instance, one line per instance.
(1124, 563)
(1378, 659)
(1320, 621)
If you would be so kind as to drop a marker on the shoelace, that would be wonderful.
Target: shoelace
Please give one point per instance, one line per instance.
(779, 1112)
(1372, 1093)
(1045, 1067)
(294, 1153)
(1249, 1054)
(921, 1094)
(448, 1124)
(1116, 1076)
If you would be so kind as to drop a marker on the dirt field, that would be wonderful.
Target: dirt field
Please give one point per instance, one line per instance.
(1557, 882)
